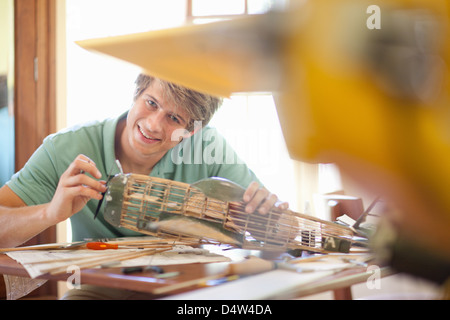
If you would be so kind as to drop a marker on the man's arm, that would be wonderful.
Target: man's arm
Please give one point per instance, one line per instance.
(20, 222)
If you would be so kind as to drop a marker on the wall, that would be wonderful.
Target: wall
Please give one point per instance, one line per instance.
(6, 90)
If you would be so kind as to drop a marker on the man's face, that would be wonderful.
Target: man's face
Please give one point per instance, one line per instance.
(154, 124)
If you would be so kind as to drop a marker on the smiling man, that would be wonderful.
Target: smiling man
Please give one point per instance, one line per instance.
(66, 175)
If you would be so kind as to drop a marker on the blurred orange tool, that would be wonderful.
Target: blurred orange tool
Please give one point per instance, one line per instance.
(101, 246)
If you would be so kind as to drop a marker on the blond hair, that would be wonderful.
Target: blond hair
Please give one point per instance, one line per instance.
(198, 106)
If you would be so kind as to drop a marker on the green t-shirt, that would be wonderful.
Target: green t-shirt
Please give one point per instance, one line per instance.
(205, 154)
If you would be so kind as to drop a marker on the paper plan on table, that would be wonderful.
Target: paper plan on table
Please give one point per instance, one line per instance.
(180, 254)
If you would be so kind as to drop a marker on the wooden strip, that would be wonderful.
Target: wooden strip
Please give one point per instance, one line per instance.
(93, 262)
(186, 284)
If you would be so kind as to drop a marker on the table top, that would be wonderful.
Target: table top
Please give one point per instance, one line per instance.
(146, 281)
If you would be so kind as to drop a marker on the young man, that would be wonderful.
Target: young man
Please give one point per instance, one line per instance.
(66, 175)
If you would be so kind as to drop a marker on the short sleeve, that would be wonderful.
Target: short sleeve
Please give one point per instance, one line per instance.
(36, 182)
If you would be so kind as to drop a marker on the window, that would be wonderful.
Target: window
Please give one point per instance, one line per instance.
(249, 122)
(100, 86)
(218, 7)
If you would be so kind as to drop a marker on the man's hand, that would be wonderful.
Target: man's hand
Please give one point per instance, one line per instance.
(75, 189)
(261, 200)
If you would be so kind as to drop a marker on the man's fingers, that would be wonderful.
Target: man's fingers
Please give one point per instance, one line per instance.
(267, 203)
(82, 184)
(82, 191)
(282, 205)
(261, 200)
(251, 191)
(83, 164)
(84, 180)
